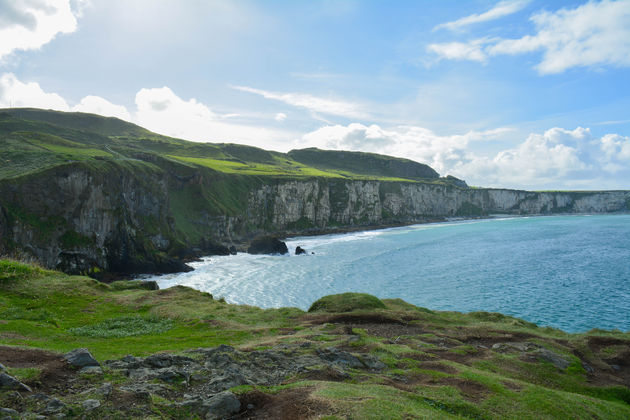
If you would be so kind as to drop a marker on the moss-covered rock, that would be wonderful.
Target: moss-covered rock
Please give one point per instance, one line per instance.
(346, 302)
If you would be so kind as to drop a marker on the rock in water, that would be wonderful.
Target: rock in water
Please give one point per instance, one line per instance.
(80, 358)
(299, 250)
(267, 245)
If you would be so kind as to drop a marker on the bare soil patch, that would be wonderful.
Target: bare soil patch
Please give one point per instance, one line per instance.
(286, 405)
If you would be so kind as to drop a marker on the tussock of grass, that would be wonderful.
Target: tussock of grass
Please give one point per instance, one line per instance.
(126, 326)
(346, 302)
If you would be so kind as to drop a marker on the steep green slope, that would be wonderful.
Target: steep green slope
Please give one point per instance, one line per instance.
(163, 353)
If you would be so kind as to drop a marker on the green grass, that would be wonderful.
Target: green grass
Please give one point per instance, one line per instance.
(346, 302)
(50, 310)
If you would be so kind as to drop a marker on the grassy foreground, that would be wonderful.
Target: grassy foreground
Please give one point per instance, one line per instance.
(438, 364)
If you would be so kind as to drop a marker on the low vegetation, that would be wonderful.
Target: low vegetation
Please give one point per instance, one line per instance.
(416, 363)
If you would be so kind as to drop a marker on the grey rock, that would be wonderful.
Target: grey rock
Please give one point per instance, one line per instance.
(9, 382)
(372, 362)
(340, 358)
(144, 389)
(222, 405)
(80, 358)
(2, 368)
(616, 367)
(141, 374)
(588, 368)
(170, 375)
(91, 370)
(553, 358)
(162, 360)
(524, 347)
(8, 413)
(105, 390)
(54, 406)
(89, 405)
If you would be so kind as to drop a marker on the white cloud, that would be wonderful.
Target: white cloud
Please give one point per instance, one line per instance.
(592, 35)
(471, 50)
(157, 109)
(98, 105)
(162, 111)
(557, 158)
(502, 8)
(29, 24)
(14, 93)
(280, 116)
(312, 103)
(443, 153)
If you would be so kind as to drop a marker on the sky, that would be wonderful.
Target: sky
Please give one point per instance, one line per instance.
(522, 94)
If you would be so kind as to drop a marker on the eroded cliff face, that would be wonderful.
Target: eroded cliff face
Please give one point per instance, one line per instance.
(81, 220)
(146, 217)
(326, 204)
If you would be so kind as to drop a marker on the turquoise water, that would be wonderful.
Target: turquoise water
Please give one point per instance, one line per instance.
(569, 272)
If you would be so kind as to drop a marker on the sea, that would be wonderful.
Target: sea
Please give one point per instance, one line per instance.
(569, 272)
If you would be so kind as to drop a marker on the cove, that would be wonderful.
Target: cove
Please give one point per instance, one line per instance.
(569, 272)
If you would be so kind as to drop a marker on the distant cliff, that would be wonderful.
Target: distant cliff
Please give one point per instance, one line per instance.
(93, 195)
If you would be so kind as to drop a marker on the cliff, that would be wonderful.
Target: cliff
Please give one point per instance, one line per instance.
(87, 194)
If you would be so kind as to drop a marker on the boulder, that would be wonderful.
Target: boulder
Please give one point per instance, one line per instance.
(89, 405)
(267, 245)
(222, 405)
(300, 251)
(80, 358)
(9, 382)
(553, 358)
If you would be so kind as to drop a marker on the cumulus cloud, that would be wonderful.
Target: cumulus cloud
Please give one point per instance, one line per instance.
(443, 153)
(98, 105)
(311, 103)
(29, 24)
(591, 35)
(280, 116)
(162, 111)
(14, 93)
(556, 158)
(501, 9)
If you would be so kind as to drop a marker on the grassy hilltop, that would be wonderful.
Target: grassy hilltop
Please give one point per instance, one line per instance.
(33, 140)
(351, 356)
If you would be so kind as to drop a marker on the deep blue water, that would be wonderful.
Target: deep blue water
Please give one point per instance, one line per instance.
(569, 272)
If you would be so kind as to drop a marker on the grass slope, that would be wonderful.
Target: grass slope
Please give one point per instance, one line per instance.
(438, 364)
(35, 139)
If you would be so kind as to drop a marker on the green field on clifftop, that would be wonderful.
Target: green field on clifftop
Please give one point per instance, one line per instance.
(33, 140)
(361, 357)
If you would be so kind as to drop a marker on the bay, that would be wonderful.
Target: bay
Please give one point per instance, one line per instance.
(569, 272)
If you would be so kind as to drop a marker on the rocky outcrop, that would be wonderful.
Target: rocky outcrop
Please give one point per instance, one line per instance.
(268, 245)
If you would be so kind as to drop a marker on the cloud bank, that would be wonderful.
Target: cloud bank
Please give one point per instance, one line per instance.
(553, 159)
(556, 158)
(591, 35)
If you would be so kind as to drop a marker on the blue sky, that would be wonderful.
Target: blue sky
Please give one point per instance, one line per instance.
(513, 93)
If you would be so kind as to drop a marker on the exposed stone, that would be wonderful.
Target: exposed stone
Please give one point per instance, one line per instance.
(89, 405)
(300, 251)
(9, 382)
(222, 405)
(525, 346)
(341, 358)
(91, 370)
(8, 413)
(553, 358)
(80, 358)
(54, 406)
(267, 245)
